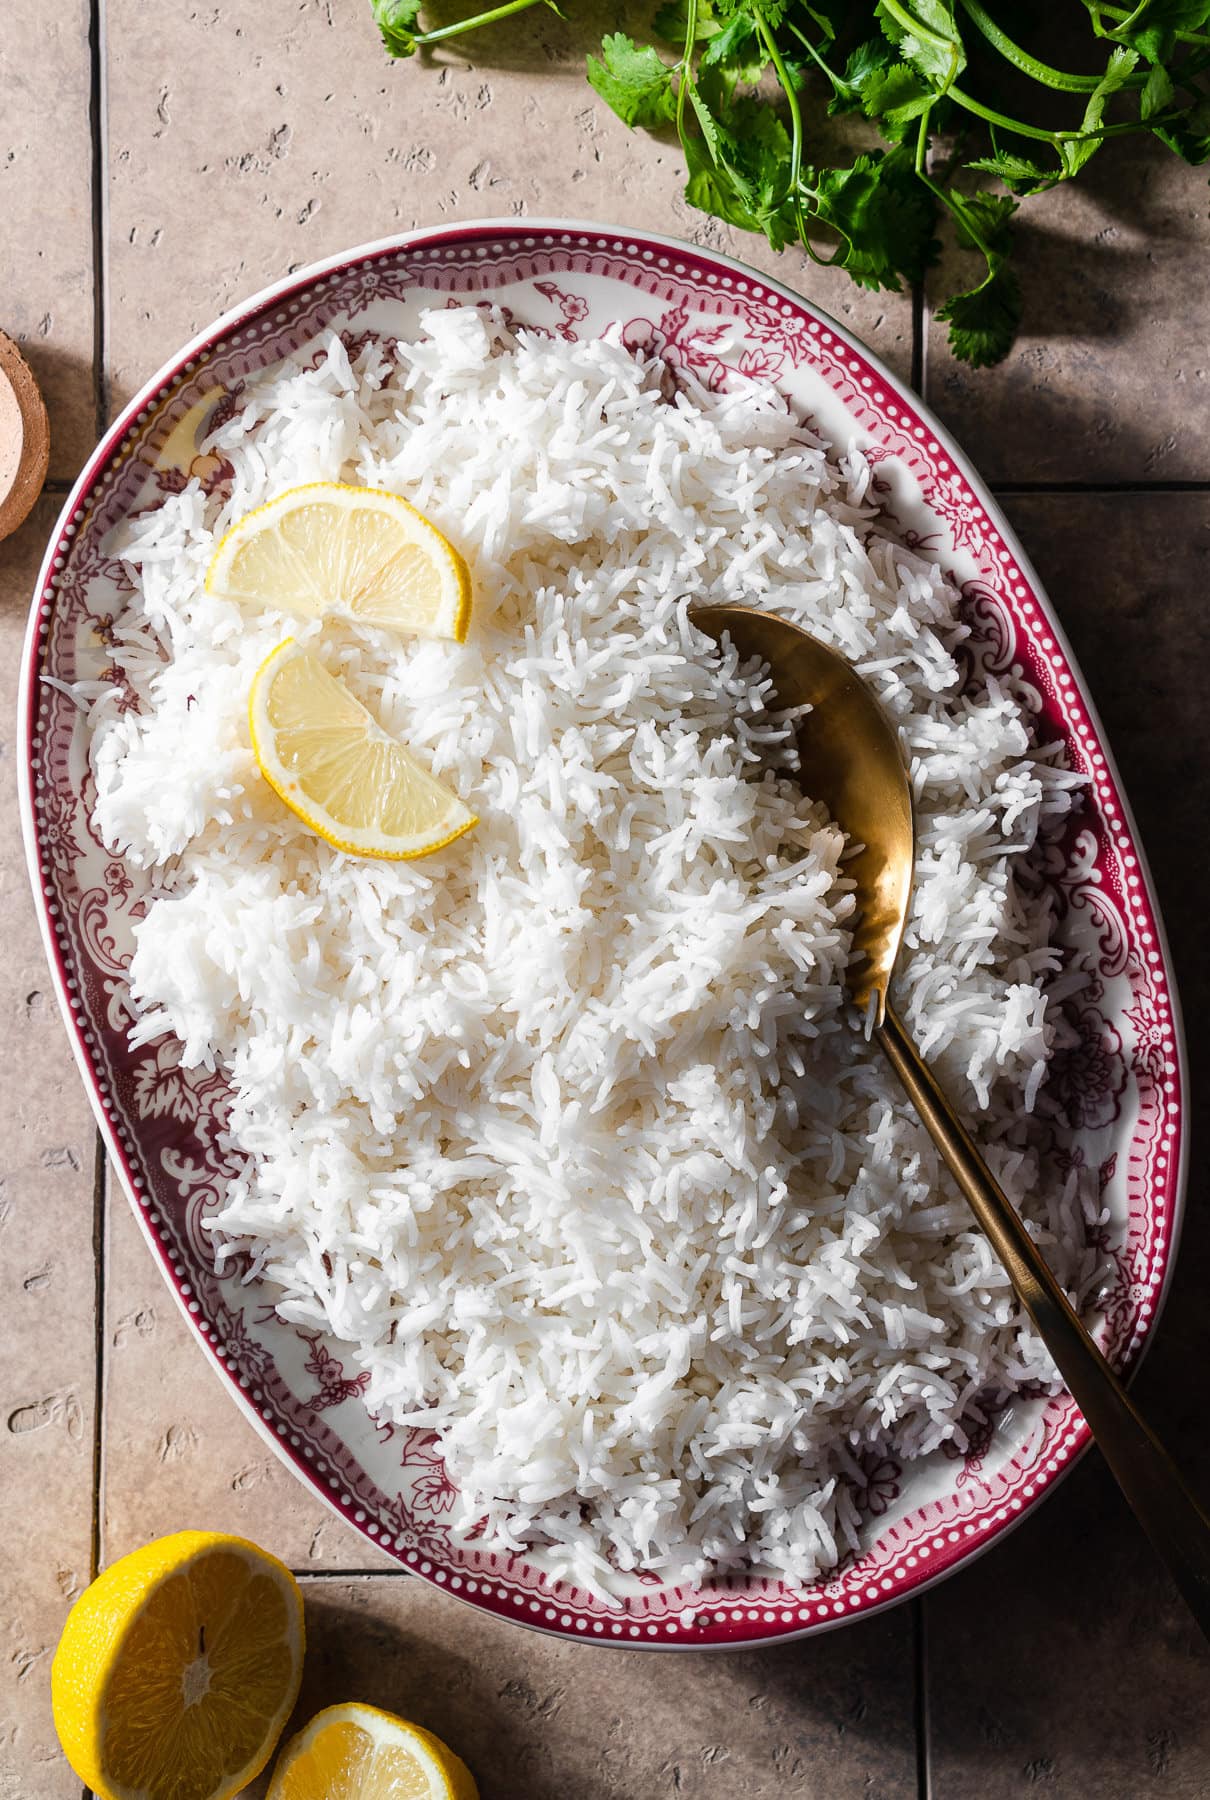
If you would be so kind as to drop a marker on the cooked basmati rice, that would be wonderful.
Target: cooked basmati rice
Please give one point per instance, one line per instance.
(566, 1131)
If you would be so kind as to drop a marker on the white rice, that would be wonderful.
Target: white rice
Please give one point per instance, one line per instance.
(566, 1131)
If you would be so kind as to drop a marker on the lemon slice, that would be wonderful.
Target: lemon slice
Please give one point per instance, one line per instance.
(334, 765)
(356, 1752)
(177, 1669)
(357, 553)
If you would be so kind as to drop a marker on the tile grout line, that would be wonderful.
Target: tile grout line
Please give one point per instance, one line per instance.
(917, 370)
(391, 1574)
(98, 124)
(98, 1382)
(98, 1436)
(98, 114)
(924, 1774)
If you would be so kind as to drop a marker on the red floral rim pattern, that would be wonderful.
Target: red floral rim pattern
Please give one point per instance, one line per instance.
(1116, 1101)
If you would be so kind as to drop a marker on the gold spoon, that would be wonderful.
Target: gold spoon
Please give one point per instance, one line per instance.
(852, 763)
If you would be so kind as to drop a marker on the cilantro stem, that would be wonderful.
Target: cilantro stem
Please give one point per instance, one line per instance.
(783, 75)
(998, 118)
(839, 86)
(1059, 137)
(1030, 65)
(922, 147)
(682, 86)
(485, 18)
(961, 215)
(1126, 17)
(908, 20)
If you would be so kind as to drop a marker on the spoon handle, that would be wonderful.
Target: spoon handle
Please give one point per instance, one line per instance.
(1167, 1511)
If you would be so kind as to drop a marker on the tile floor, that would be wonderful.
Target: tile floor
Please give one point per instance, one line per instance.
(155, 164)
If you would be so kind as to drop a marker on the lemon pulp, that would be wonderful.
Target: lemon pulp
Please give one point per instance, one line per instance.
(177, 1669)
(338, 770)
(327, 549)
(358, 1752)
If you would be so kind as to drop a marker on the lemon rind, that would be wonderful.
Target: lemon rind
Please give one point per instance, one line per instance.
(83, 1741)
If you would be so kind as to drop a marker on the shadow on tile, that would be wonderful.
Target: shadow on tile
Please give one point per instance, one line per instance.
(21, 553)
(539, 40)
(538, 1716)
(66, 381)
(1065, 1656)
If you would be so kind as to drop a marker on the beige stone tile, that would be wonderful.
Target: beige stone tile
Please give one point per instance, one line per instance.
(47, 1320)
(46, 275)
(536, 1716)
(178, 1453)
(240, 150)
(1064, 1663)
(1110, 378)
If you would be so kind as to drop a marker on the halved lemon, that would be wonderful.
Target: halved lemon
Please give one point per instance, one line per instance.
(334, 765)
(177, 1669)
(357, 553)
(356, 1752)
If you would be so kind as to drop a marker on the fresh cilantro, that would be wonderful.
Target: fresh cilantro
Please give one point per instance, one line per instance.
(982, 219)
(713, 190)
(398, 21)
(671, 22)
(1157, 93)
(868, 63)
(927, 37)
(636, 83)
(883, 216)
(1021, 173)
(738, 49)
(896, 97)
(747, 83)
(771, 11)
(1190, 135)
(984, 322)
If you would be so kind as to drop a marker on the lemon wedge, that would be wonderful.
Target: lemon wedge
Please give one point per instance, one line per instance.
(356, 1752)
(334, 765)
(356, 553)
(177, 1669)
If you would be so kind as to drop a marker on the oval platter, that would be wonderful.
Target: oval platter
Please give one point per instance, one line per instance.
(1115, 1097)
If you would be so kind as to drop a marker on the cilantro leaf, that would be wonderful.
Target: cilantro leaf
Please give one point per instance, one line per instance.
(883, 214)
(398, 21)
(932, 44)
(701, 99)
(738, 49)
(739, 166)
(830, 16)
(1151, 27)
(982, 218)
(896, 97)
(984, 322)
(636, 83)
(771, 11)
(870, 59)
(671, 22)
(1020, 173)
(1190, 138)
(713, 189)
(1157, 93)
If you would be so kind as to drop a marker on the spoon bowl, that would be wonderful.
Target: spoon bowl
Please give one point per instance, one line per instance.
(851, 755)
